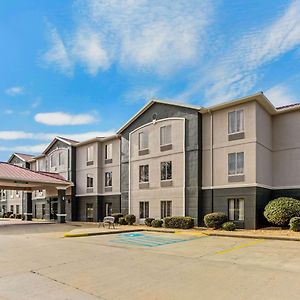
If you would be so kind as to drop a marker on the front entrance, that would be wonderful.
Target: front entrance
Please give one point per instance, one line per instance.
(89, 212)
(108, 209)
(53, 210)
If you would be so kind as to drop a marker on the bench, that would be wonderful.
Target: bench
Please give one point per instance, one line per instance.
(108, 220)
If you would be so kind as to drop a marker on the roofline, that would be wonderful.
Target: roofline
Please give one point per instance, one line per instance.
(148, 105)
(18, 155)
(98, 139)
(54, 140)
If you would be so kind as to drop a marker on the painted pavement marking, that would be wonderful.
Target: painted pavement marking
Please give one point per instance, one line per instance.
(240, 247)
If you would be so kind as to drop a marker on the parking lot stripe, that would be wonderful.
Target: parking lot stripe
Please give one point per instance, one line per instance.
(240, 247)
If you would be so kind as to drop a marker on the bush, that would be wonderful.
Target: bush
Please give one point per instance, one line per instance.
(179, 222)
(157, 223)
(295, 224)
(18, 216)
(130, 219)
(281, 210)
(229, 226)
(148, 221)
(122, 221)
(117, 216)
(12, 216)
(215, 220)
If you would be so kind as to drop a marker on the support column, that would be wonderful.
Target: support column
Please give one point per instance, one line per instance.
(28, 206)
(61, 209)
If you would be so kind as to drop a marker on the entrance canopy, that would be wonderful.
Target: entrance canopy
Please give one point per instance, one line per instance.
(17, 178)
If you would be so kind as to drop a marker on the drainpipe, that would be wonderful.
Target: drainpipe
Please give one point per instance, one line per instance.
(211, 160)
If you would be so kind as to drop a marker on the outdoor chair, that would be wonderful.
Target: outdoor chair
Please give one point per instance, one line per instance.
(109, 221)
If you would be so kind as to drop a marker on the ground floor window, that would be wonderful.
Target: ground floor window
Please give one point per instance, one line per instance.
(165, 209)
(17, 209)
(89, 212)
(144, 210)
(43, 210)
(108, 209)
(236, 209)
(12, 208)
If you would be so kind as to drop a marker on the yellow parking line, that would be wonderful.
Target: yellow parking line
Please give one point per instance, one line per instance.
(240, 246)
(190, 233)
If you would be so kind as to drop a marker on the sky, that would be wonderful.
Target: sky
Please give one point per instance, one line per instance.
(81, 69)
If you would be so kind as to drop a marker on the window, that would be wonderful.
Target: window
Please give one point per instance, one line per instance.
(90, 181)
(89, 211)
(236, 121)
(165, 135)
(60, 159)
(166, 170)
(12, 208)
(144, 173)
(17, 194)
(90, 154)
(236, 209)
(165, 209)
(144, 210)
(143, 141)
(108, 151)
(17, 209)
(236, 163)
(52, 160)
(108, 179)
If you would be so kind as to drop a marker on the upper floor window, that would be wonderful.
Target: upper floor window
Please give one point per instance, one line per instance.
(108, 179)
(90, 154)
(236, 121)
(108, 151)
(236, 163)
(165, 135)
(144, 173)
(166, 170)
(143, 141)
(60, 159)
(89, 181)
(52, 160)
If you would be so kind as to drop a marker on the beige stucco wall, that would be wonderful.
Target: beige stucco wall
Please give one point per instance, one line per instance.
(155, 193)
(286, 149)
(222, 147)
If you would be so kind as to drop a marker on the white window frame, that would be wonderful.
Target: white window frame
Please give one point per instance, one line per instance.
(162, 164)
(90, 154)
(89, 181)
(108, 151)
(236, 209)
(165, 211)
(143, 177)
(165, 135)
(236, 168)
(106, 179)
(143, 140)
(144, 213)
(235, 128)
(60, 159)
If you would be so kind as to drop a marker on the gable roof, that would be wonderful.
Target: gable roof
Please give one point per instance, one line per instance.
(149, 104)
(64, 140)
(24, 157)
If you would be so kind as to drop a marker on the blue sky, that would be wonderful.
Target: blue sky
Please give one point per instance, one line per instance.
(82, 68)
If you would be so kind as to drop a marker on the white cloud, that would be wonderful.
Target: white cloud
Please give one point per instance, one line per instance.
(21, 135)
(280, 95)
(142, 94)
(57, 56)
(89, 51)
(14, 91)
(8, 112)
(144, 35)
(61, 118)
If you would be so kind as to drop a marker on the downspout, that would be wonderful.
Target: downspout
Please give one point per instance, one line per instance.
(211, 160)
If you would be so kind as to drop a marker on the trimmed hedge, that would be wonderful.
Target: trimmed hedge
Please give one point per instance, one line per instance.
(215, 220)
(130, 219)
(279, 211)
(229, 226)
(179, 222)
(148, 221)
(157, 223)
(122, 221)
(295, 224)
(117, 216)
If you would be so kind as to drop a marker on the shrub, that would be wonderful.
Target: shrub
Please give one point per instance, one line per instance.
(215, 220)
(228, 226)
(281, 210)
(12, 216)
(179, 222)
(295, 224)
(130, 219)
(148, 221)
(117, 216)
(157, 223)
(18, 216)
(122, 221)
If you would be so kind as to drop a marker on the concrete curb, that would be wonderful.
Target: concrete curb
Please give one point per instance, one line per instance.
(262, 237)
(83, 234)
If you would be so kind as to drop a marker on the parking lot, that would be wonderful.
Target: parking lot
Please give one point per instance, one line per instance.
(36, 262)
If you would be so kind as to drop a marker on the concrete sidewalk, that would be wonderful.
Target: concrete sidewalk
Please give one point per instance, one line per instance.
(9, 222)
